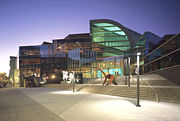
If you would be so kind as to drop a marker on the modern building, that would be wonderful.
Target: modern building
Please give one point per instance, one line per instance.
(110, 38)
(48, 60)
(72, 41)
(114, 47)
(13, 66)
(114, 44)
(16, 78)
(109, 46)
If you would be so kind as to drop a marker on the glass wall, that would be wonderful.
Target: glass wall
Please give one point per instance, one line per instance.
(86, 62)
(112, 40)
(30, 66)
(147, 42)
(82, 61)
(29, 51)
(166, 55)
(112, 65)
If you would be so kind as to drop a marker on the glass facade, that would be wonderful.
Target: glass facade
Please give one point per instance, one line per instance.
(113, 44)
(166, 55)
(50, 59)
(86, 62)
(40, 61)
(81, 62)
(110, 38)
(36, 51)
(62, 46)
(108, 46)
(147, 42)
(29, 61)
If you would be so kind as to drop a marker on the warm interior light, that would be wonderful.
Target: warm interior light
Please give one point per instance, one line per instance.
(53, 76)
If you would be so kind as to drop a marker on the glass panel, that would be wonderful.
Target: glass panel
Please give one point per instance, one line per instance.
(97, 29)
(106, 34)
(103, 24)
(168, 47)
(99, 39)
(120, 33)
(167, 61)
(112, 28)
(124, 43)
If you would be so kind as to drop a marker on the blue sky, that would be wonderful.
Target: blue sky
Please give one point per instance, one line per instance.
(30, 22)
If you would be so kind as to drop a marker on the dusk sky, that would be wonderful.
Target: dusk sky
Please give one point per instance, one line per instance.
(30, 22)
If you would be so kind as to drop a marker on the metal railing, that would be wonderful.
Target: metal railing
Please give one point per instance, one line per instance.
(157, 97)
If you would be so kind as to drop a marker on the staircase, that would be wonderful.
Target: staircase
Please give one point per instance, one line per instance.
(171, 95)
(169, 92)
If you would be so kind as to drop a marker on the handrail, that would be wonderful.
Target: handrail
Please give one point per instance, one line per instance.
(131, 77)
(157, 98)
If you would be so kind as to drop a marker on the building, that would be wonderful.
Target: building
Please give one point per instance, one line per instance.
(13, 66)
(114, 44)
(72, 41)
(148, 42)
(16, 78)
(165, 58)
(48, 60)
(109, 46)
(40, 61)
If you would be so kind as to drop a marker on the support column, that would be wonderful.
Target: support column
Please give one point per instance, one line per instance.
(125, 70)
(138, 105)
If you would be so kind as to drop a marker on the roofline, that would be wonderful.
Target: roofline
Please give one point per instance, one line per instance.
(126, 30)
(32, 45)
(151, 33)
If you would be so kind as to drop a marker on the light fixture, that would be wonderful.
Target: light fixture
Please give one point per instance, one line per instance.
(138, 53)
(53, 76)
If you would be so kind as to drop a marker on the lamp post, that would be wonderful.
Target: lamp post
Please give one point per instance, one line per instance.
(138, 105)
(73, 84)
(93, 75)
(125, 70)
(128, 71)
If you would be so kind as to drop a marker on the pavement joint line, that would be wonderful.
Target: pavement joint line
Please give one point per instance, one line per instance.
(73, 105)
(55, 102)
(41, 104)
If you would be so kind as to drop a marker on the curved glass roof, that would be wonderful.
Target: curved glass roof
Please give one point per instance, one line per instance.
(110, 36)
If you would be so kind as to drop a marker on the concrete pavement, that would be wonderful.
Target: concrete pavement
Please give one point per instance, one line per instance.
(17, 106)
(47, 104)
(94, 107)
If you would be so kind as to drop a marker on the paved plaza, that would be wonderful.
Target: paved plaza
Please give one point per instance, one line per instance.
(48, 104)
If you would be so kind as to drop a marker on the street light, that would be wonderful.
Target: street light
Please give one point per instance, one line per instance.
(138, 105)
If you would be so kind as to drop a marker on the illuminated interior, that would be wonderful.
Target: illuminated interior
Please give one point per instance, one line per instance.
(110, 38)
